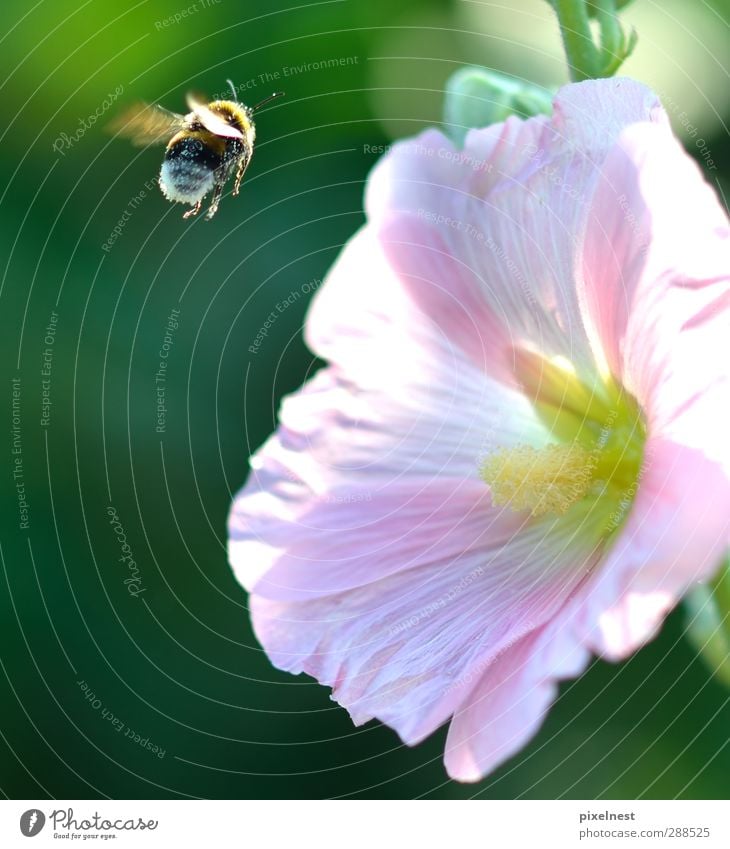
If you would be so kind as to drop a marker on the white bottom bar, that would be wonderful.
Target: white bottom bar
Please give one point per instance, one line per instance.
(366, 824)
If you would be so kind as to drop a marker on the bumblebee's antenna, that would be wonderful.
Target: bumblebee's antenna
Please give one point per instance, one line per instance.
(268, 100)
(233, 90)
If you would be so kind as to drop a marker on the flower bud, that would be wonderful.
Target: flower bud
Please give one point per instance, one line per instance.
(476, 97)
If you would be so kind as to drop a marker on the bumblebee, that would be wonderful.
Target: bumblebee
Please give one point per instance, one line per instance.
(204, 148)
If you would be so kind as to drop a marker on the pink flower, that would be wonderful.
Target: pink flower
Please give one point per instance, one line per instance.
(518, 455)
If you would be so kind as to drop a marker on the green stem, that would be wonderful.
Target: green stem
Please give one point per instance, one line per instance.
(612, 36)
(707, 608)
(583, 57)
(721, 586)
(616, 46)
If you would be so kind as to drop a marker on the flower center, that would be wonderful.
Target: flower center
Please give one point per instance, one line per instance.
(595, 452)
(544, 480)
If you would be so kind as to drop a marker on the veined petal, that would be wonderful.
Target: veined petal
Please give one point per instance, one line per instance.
(347, 462)
(362, 315)
(532, 182)
(512, 696)
(656, 285)
(357, 538)
(675, 535)
(382, 429)
(406, 649)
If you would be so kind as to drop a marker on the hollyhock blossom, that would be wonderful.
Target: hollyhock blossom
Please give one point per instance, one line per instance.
(518, 454)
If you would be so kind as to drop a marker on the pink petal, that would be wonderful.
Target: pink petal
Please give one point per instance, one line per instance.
(394, 473)
(347, 540)
(512, 696)
(656, 277)
(365, 320)
(486, 238)
(675, 535)
(344, 462)
(591, 115)
(354, 454)
(406, 648)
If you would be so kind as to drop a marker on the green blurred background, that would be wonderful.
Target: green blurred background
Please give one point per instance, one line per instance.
(178, 664)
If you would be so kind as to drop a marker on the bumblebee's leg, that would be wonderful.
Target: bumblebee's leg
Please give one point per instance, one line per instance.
(214, 201)
(194, 211)
(242, 166)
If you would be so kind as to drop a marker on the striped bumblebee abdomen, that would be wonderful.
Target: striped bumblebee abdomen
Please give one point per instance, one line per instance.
(191, 165)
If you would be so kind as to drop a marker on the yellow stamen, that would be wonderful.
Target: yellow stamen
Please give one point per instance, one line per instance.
(598, 432)
(542, 480)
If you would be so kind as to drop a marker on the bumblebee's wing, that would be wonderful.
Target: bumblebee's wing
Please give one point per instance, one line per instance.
(143, 124)
(212, 122)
